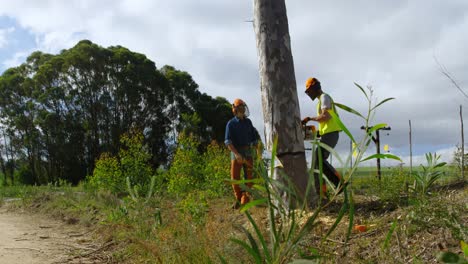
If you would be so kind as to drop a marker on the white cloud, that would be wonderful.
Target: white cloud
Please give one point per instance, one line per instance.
(16, 59)
(4, 32)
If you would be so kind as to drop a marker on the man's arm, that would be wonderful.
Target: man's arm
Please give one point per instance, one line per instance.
(326, 104)
(228, 142)
(234, 150)
(323, 117)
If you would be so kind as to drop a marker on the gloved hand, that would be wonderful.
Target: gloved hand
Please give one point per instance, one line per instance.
(239, 158)
(305, 120)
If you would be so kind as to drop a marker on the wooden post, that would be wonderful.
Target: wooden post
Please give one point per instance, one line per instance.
(376, 140)
(280, 102)
(411, 156)
(462, 146)
(377, 143)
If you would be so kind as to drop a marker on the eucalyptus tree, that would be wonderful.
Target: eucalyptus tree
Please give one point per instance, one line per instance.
(279, 96)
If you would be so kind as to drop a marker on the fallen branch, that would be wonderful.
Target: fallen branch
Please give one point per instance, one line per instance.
(96, 250)
(79, 235)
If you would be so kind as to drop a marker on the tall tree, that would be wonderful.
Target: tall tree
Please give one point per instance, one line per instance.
(184, 99)
(279, 95)
(61, 112)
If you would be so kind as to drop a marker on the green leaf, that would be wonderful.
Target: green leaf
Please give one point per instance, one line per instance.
(342, 126)
(249, 249)
(362, 90)
(382, 156)
(221, 258)
(312, 255)
(351, 213)
(260, 237)
(376, 127)
(251, 204)
(332, 151)
(349, 109)
(382, 102)
(259, 187)
(343, 210)
(464, 248)
(440, 165)
(389, 234)
(449, 257)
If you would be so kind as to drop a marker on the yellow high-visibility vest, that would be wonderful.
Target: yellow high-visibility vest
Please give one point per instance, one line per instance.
(331, 125)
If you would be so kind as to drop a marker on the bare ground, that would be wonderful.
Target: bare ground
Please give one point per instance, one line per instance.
(32, 238)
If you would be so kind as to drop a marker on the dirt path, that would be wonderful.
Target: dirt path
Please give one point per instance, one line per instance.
(35, 239)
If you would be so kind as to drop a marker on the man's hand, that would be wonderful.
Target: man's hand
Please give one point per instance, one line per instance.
(239, 157)
(305, 120)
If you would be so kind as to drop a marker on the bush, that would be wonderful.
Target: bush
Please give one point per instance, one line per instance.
(192, 171)
(24, 175)
(195, 204)
(132, 161)
(107, 175)
(216, 169)
(390, 189)
(428, 175)
(186, 172)
(196, 178)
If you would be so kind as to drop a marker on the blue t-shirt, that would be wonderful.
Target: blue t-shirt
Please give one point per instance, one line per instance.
(240, 132)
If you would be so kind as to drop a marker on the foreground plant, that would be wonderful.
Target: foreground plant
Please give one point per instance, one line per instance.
(428, 175)
(288, 228)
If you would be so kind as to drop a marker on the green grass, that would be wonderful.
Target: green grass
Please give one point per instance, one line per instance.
(142, 238)
(450, 171)
(20, 191)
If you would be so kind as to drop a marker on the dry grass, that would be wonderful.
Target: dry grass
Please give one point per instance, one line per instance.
(423, 228)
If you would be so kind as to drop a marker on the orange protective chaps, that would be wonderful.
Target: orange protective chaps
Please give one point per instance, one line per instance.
(247, 166)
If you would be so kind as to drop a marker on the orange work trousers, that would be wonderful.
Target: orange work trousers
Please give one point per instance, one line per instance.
(247, 166)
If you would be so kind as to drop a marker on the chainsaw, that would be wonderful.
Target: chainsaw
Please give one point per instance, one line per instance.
(309, 132)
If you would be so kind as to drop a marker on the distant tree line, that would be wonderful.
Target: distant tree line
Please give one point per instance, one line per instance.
(60, 112)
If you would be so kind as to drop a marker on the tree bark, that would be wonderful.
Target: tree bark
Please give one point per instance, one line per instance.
(280, 102)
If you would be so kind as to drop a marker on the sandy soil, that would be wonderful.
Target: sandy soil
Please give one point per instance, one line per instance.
(35, 239)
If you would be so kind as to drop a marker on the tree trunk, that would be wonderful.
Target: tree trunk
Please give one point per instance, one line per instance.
(280, 102)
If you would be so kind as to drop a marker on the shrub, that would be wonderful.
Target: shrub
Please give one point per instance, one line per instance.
(132, 161)
(196, 178)
(195, 204)
(216, 170)
(428, 175)
(186, 172)
(107, 175)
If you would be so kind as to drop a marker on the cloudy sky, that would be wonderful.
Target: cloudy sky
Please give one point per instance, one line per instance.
(391, 46)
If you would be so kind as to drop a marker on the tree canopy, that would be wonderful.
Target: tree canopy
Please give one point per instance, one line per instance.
(59, 113)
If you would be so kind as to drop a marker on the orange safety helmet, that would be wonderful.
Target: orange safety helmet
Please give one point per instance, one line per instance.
(312, 82)
(238, 102)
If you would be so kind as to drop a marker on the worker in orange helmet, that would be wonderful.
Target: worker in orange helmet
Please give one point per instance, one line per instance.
(329, 129)
(241, 139)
